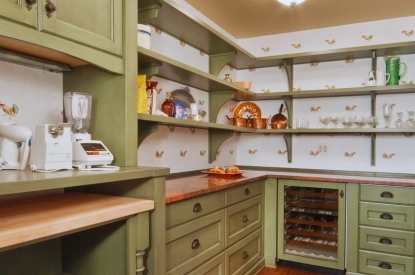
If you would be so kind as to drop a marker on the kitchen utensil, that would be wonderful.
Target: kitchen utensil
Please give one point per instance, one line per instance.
(347, 121)
(399, 123)
(325, 120)
(85, 152)
(260, 123)
(279, 121)
(382, 78)
(410, 123)
(247, 107)
(51, 147)
(249, 121)
(372, 121)
(395, 68)
(14, 145)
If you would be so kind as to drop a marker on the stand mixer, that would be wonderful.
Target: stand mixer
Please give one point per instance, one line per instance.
(87, 154)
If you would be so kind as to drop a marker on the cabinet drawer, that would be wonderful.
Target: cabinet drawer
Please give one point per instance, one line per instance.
(216, 266)
(244, 192)
(385, 264)
(183, 211)
(387, 240)
(387, 194)
(387, 215)
(190, 244)
(244, 254)
(242, 219)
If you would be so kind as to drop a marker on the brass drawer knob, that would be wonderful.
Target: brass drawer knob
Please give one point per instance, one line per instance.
(50, 8)
(30, 3)
(244, 255)
(195, 244)
(385, 240)
(385, 265)
(197, 207)
(247, 192)
(386, 216)
(386, 194)
(245, 218)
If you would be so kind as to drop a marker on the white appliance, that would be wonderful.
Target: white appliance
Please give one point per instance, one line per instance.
(51, 147)
(14, 146)
(86, 153)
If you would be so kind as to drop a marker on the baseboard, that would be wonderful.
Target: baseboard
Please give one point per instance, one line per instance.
(312, 268)
(256, 268)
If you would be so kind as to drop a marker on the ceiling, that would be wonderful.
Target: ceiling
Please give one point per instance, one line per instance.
(252, 18)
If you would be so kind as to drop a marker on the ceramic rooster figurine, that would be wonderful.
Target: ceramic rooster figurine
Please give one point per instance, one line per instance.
(10, 111)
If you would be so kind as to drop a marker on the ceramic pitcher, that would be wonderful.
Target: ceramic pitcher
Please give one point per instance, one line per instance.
(395, 68)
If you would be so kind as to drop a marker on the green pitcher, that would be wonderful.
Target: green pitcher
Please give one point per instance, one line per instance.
(395, 68)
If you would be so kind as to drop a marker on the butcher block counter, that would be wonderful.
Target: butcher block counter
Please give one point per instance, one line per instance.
(180, 188)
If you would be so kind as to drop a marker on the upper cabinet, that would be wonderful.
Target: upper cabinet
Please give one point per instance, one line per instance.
(79, 20)
(23, 11)
(85, 31)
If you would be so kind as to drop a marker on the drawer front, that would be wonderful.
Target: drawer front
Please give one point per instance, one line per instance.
(387, 194)
(242, 219)
(183, 211)
(244, 192)
(244, 254)
(387, 215)
(191, 244)
(385, 264)
(387, 240)
(216, 266)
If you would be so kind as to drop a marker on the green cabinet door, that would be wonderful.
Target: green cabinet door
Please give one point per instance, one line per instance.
(20, 11)
(96, 23)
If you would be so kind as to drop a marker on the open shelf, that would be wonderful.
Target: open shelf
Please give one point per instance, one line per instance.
(29, 220)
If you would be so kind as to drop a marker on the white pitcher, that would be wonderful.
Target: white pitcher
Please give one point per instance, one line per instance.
(382, 78)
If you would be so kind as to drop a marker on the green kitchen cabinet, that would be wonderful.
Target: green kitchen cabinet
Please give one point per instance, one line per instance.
(95, 23)
(217, 233)
(20, 11)
(381, 233)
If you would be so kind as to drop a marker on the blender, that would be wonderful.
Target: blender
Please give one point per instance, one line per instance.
(87, 154)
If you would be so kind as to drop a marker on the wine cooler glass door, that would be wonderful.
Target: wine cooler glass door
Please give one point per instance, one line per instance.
(311, 222)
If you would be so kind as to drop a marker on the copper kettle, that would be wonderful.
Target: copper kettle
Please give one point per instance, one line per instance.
(279, 121)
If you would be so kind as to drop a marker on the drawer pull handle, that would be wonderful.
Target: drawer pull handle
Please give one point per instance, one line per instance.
(247, 192)
(244, 255)
(245, 218)
(385, 265)
(385, 240)
(386, 194)
(50, 8)
(386, 216)
(29, 4)
(197, 207)
(195, 244)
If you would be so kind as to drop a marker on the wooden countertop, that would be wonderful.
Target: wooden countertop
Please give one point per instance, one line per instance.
(16, 181)
(180, 188)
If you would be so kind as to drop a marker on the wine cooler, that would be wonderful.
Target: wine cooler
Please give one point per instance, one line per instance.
(311, 223)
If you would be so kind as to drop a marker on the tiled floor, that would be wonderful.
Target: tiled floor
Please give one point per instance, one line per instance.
(281, 270)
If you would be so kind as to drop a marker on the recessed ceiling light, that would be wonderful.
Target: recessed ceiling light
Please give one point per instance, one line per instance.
(291, 3)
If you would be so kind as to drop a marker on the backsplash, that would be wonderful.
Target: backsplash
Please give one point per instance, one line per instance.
(184, 150)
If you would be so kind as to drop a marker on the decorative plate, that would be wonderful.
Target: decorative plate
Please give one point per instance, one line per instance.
(247, 107)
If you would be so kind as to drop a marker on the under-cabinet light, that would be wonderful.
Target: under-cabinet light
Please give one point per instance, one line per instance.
(33, 61)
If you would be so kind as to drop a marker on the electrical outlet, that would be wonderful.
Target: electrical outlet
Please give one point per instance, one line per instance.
(323, 148)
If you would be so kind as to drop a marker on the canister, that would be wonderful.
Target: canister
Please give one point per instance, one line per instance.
(143, 36)
(178, 110)
(186, 113)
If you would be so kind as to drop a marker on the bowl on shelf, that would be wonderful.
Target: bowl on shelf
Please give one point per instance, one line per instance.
(243, 84)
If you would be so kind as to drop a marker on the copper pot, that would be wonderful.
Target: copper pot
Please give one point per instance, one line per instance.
(259, 123)
(237, 121)
(279, 121)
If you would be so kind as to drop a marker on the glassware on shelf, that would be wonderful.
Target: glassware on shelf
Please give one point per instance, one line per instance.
(325, 120)
(399, 123)
(387, 111)
(335, 120)
(372, 121)
(347, 121)
(410, 123)
(360, 121)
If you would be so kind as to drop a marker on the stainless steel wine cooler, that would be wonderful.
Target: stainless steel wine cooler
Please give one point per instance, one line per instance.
(311, 223)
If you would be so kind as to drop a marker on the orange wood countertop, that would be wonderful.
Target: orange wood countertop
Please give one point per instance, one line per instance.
(180, 188)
